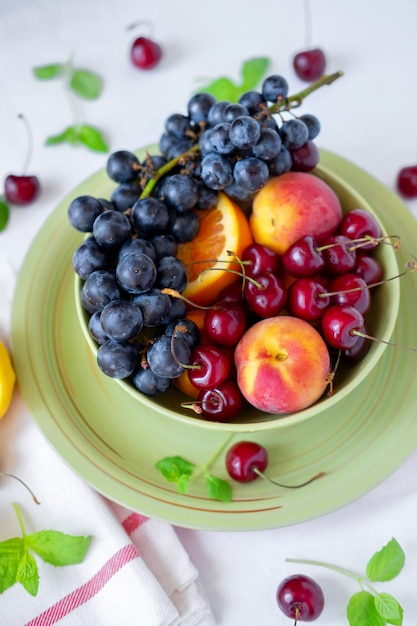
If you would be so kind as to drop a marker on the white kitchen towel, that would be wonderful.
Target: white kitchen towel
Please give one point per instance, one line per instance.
(136, 571)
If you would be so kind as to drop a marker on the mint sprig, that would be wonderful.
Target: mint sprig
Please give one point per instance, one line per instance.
(251, 72)
(18, 565)
(84, 84)
(369, 606)
(176, 469)
(4, 213)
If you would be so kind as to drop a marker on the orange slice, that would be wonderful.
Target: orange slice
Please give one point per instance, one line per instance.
(222, 229)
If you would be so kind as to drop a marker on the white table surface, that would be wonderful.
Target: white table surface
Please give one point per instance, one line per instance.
(368, 116)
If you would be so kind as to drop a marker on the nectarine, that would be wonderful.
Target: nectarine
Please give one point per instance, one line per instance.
(291, 206)
(283, 365)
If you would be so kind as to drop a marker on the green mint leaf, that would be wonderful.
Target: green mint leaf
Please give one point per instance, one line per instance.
(252, 72)
(27, 573)
(174, 467)
(222, 89)
(183, 483)
(361, 610)
(11, 553)
(58, 548)
(4, 214)
(92, 138)
(86, 84)
(387, 563)
(218, 489)
(69, 135)
(389, 608)
(46, 72)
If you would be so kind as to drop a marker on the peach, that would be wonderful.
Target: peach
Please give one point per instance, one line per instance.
(283, 365)
(291, 206)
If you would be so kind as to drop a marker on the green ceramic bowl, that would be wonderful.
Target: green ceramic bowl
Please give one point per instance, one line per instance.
(381, 320)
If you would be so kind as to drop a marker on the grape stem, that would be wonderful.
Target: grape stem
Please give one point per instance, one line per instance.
(284, 105)
(361, 580)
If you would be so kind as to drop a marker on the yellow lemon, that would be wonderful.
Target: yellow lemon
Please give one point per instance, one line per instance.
(7, 379)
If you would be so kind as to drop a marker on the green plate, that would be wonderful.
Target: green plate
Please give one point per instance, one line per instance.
(112, 441)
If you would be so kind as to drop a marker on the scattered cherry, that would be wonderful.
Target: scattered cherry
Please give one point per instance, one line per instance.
(247, 460)
(145, 53)
(310, 63)
(301, 598)
(22, 189)
(407, 181)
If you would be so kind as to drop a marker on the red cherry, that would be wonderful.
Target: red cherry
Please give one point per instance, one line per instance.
(309, 65)
(351, 289)
(359, 223)
(244, 458)
(305, 158)
(407, 181)
(307, 299)
(339, 256)
(145, 53)
(261, 259)
(368, 268)
(337, 324)
(210, 366)
(225, 323)
(300, 597)
(21, 190)
(353, 355)
(302, 259)
(221, 403)
(267, 296)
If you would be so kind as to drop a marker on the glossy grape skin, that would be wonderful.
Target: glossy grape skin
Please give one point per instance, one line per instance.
(274, 88)
(100, 288)
(154, 305)
(300, 597)
(136, 273)
(111, 229)
(251, 173)
(117, 359)
(149, 216)
(166, 355)
(149, 383)
(89, 257)
(83, 211)
(122, 166)
(186, 329)
(121, 320)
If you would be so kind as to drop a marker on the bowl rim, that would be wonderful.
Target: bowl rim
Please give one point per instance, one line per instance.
(271, 421)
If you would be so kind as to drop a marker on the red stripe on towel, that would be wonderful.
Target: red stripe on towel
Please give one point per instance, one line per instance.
(84, 593)
(132, 522)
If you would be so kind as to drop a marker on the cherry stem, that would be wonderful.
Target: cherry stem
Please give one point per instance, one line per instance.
(332, 374)
(150, 29)
(308, 24)
(35, 499)
(176, 294)
(359, 333)
(30, 142)
(274, 482)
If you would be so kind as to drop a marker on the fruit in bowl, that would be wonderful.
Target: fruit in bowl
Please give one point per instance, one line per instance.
(177, 233)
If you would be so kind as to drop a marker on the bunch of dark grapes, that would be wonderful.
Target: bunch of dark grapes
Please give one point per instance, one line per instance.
(242, 144)
(128, 257)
